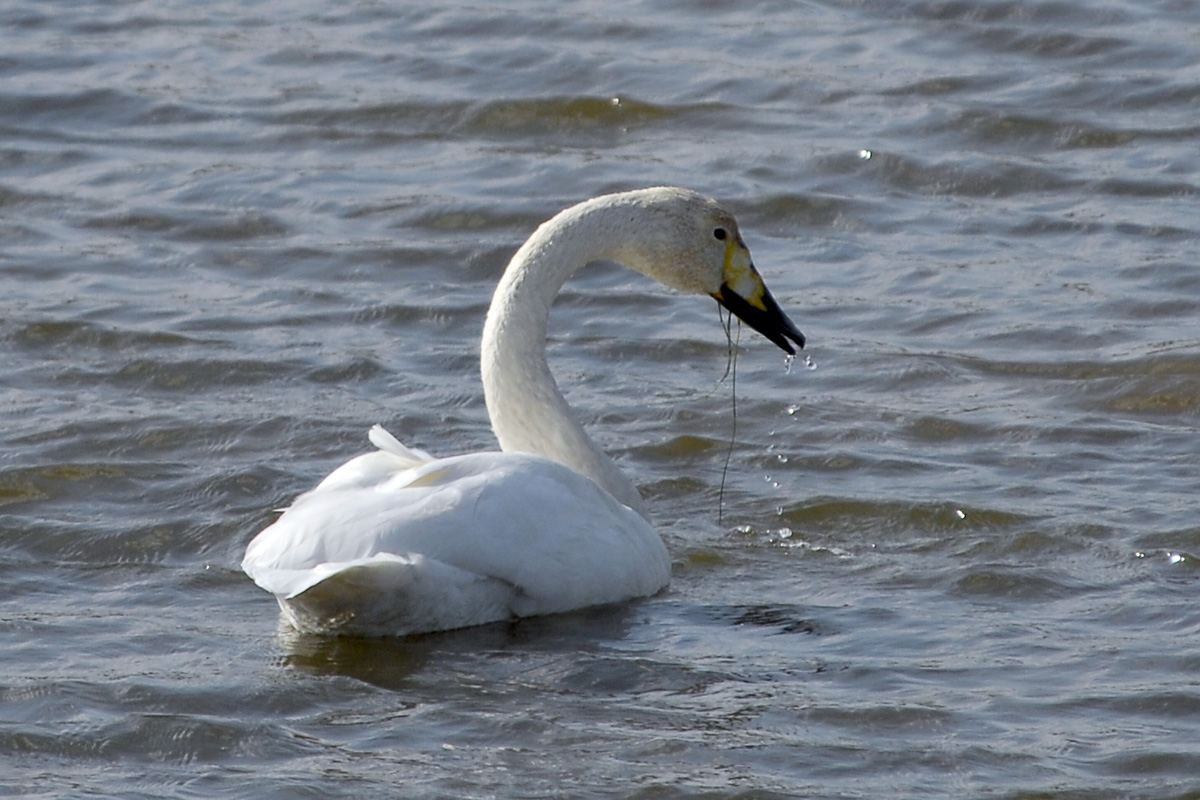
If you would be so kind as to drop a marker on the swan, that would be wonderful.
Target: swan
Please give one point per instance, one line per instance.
(396, 542)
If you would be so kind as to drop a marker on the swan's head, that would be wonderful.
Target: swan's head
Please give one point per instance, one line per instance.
(690, 243)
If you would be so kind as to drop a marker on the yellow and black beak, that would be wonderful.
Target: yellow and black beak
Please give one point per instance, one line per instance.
(763, 314)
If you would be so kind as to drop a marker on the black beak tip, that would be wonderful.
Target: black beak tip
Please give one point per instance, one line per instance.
(767, 318)
(782, 340)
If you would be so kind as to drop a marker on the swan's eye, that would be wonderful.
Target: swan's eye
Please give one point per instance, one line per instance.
(720, 234)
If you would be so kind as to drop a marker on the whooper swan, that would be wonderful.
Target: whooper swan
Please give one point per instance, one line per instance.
(396, 542)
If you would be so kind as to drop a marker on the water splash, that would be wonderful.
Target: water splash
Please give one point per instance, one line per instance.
(788, 360)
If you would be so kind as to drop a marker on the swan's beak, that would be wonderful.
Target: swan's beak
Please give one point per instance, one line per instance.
(759, 310)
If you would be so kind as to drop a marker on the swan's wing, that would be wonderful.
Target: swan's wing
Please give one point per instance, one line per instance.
(550, 537)
(380, 437)
(371, 468)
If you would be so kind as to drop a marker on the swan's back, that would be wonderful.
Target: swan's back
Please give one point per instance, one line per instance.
(452, 542)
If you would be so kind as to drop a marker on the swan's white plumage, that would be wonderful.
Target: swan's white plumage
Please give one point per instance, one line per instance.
(450, 542)
(396, 541)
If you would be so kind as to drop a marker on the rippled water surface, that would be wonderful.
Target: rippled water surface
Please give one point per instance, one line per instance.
(957, 559)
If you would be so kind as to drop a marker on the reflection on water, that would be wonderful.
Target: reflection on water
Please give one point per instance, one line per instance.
(391, 663)
(386, 663)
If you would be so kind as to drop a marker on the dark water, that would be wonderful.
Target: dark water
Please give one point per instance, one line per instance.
(957, 559)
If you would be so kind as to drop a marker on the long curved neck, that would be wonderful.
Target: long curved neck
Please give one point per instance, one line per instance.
(528, 412)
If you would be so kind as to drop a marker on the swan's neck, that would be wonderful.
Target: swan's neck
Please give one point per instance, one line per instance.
(527, 410)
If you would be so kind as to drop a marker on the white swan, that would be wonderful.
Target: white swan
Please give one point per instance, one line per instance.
(396, 542)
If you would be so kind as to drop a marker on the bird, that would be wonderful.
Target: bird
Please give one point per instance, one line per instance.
(396, 542)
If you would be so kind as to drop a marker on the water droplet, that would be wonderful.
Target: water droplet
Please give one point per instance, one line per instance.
(616, 101)
(787, 364)
(781, 458)
(1139, 554)
(865, 155)
(809, 364)
(1176, 558)
(791, 410)
(958, 512)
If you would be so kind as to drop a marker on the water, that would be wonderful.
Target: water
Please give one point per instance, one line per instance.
(959, 559)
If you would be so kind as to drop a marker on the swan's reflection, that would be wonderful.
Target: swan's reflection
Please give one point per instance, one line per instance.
(395, 662)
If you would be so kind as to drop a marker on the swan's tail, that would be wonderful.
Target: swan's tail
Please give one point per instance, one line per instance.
(393, 595)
